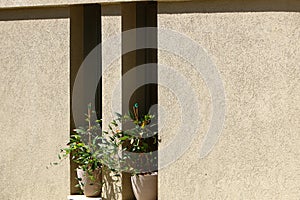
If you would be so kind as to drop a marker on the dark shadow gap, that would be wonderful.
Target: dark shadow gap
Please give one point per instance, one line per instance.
(85, 35)
(138, 15)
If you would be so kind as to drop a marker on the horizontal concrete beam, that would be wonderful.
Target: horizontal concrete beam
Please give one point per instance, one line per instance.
(51, 3)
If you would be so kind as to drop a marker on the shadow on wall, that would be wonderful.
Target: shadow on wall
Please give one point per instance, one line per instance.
(222, 6)
(33, 13)
(111, 186)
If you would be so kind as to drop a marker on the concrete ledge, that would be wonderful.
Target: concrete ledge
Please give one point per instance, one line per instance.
(82, 197)
(51, 3)
(54, 3)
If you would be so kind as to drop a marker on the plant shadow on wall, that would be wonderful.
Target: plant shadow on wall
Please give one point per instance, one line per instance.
(104, 155)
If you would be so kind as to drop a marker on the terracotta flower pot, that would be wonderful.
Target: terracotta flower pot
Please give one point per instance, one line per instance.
(91, 188)
(144, 186)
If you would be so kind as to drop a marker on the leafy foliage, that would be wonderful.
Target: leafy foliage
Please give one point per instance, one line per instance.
(138, 135)
(90, 149)
(93, 149)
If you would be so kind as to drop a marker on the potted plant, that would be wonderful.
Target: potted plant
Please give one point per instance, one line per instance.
(128, 149)
(138, 141)
(91, 152)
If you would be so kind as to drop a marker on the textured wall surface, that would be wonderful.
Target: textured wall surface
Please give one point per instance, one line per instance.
(213, 4)
(111, 75)
(38, 3)
(257, 55)
(35, 110)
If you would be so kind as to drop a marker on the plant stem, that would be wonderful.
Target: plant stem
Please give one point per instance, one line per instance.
(89, 120)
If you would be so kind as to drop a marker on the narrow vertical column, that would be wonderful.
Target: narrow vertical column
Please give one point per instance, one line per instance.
(111, 91)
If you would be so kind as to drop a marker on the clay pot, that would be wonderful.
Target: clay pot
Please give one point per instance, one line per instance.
(144, 186)
(90, 188)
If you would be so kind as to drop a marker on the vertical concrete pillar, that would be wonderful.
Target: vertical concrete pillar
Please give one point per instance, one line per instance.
(111, 91)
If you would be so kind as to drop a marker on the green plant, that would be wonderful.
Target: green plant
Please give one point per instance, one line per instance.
(93, 149)
(90, 149)
(137, 141)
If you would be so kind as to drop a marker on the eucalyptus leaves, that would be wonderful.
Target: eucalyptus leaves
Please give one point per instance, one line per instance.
(126, 145)
(137, 140)
(91, 150)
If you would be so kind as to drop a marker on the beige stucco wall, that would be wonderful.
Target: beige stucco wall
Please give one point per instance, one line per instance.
(35, 103)
(39, 3)
(257, 55)
(111, 75)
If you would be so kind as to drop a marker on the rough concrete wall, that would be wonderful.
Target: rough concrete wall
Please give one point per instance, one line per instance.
(38, 3)
(214, 4)
(111, 75)
(35, 110)
(257, 55)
